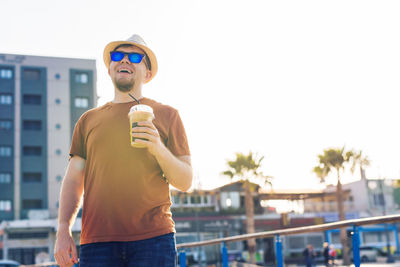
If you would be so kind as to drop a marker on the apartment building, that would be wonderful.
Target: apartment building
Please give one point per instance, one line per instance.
(41, 98)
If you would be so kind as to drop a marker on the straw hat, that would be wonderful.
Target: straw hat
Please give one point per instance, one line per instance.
(135, 40)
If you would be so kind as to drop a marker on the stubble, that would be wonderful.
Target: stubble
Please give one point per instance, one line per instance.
(124, 85)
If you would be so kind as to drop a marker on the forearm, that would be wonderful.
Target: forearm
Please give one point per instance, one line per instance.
(71, 192)
(178, 172)
(70, 200)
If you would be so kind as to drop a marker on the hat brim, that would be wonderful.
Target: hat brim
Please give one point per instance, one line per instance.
(152, 58)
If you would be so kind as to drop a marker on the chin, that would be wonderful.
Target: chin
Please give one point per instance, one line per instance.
(124, 87)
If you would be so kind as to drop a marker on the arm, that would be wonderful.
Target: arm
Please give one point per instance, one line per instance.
(178, 170)
(70, 198)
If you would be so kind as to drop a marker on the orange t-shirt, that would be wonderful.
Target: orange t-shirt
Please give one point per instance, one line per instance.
(125, 195)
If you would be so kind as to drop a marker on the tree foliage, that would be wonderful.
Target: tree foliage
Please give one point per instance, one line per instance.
(247, 167)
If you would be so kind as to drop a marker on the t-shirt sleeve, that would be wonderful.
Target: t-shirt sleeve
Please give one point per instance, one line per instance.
(78, 144)
(177, 139)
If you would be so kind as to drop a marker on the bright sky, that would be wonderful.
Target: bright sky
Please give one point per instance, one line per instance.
(285, 79)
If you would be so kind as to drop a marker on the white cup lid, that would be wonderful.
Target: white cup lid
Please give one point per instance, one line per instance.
(141, 107)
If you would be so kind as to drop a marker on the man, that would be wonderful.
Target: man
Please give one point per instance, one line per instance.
(326, 253)
(126, 219)
(309, 255)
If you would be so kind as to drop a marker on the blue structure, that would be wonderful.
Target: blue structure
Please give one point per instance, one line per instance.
(375, 228)
(278, 251)
(356, 246)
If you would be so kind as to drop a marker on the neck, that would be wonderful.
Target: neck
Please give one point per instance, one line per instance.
(123, 97)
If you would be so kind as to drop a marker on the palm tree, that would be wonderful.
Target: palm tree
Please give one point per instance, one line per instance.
(362, 162)
(244, 168)
(335, 158)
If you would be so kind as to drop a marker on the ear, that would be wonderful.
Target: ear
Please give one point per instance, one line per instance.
(108, 71)
(148, 75)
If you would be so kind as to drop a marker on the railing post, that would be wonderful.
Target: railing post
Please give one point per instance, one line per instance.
(396, 236)
(182, 258)
(224, 255)
(278, 251)
(356, 246)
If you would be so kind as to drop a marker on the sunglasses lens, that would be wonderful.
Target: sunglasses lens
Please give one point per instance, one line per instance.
(135, 57)
(117, 56)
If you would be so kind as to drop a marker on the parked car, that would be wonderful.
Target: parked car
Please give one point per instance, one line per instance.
(9, 263)
(368, 253)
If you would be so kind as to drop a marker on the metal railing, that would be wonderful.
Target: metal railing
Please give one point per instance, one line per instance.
(278, 242)
(290, 231)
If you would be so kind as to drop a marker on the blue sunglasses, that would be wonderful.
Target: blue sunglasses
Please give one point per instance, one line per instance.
(133, 57)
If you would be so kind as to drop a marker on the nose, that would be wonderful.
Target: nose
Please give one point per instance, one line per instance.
(125, 59)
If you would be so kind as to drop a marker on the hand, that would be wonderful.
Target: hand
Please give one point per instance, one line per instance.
(148, 131)
(65, 250)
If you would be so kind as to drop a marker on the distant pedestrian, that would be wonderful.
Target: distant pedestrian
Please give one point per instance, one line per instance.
(326, 254)
(332, 255)
(309, 255)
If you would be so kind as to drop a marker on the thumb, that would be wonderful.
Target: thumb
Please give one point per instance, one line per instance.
(74, 253)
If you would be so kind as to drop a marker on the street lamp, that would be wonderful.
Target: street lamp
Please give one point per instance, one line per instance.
(381, 201)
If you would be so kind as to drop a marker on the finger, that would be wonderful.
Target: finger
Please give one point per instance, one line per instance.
(74, 254)
(146, 143)
(147, 124)
(139, 136)
(66, 257)
(62, 259)
(146, 130)
(57, 259)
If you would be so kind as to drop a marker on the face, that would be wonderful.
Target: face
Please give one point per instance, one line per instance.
(127, 75)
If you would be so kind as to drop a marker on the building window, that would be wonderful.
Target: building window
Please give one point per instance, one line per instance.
(32, 99)
(57, 76)
(31, 235)
(58, 152)
(58, 126)
(195, 199)
(31, 204)
(58, 101)
(5, 151)
(31, 74)
(371, 237)
(176, 199)
(32, 151)
(5, 125)
(5, 178)
(6, 74)
(26, 255)
(32, 125)
(379, 199)
(32, 177)
(5, 205)
(296, 242)
(81, 78)
(81, 102)
(5, 99)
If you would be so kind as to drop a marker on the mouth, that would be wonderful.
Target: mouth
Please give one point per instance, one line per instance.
(125, 71)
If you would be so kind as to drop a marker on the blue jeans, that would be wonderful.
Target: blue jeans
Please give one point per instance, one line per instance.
(158, 251)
